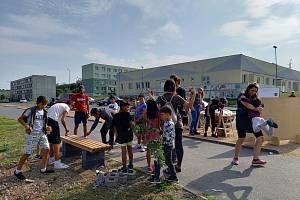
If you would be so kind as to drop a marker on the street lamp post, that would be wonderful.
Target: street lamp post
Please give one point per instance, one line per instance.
(142, 78)
(69, 78)
(276, 66)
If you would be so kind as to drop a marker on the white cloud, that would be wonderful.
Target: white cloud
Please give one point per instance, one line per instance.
(84, 8)
(153, 8)
(168, 31)
(271, 30)
(147, 60)
(17, 47)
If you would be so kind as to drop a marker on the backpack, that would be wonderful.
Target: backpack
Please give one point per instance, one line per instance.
(170, 105)
(30, 119)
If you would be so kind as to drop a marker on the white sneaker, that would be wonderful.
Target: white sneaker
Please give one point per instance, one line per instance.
(143, 149)
(51, 160)
(110, 152)
(60, 165)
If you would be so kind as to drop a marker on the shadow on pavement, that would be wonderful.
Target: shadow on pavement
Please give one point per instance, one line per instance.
(230, 153)
(213, 183)
(192, 144)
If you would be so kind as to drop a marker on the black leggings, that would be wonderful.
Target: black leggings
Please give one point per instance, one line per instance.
(210, 120)
(104, 131)
(178, 145)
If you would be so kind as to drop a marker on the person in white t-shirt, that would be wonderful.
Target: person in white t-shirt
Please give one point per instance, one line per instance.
(56, 112)
(113, 106)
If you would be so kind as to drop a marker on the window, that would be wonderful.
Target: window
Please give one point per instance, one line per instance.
(129, 85)
(115, 70)
(267, 81)
(103, 69)
(96, 68)
(147, 84)
(103, 88)
(108, 69)
(245, 78)
(258, 79)
(103, 75)
(108, 76)
(122, 86)
(143, 85)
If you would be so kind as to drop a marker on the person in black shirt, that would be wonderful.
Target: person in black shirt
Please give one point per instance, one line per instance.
(123, 124)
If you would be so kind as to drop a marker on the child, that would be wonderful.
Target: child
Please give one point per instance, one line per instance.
(123, 124)
(211, 116)
(139, 119)
(168, 142)
(34, 120)
(152, 123)
(113, 104)
(259, 123)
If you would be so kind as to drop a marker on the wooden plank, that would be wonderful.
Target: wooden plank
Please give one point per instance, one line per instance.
(85, 143)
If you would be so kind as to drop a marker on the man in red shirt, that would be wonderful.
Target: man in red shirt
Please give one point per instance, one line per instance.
(82, 108)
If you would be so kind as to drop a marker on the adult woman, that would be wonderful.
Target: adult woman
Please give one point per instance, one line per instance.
(176, 101)
(195, 111)
(244, 125)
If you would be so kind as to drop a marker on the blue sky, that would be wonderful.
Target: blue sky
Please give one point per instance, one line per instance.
(47, 37)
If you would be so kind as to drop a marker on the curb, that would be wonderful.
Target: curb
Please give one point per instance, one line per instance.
(230, 144)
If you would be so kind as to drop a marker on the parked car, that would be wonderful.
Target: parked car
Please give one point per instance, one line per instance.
(91, 100)
(106, 101)
(64, 97)
(23, 100)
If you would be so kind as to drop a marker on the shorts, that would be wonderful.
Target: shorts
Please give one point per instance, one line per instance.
(80, 117)
(54, 136)
(126, 144)
(34, 139)
(244, 124)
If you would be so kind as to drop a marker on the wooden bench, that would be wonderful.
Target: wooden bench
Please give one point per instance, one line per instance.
(92, 151)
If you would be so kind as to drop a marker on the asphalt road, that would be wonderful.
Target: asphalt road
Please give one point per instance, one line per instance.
(206, 168)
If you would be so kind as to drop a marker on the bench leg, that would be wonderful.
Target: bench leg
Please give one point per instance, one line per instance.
(90, 160)
(70, 150)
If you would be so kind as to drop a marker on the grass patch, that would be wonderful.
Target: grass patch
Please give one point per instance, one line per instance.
(11, 140)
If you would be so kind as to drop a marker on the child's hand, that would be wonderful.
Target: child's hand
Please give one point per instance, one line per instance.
(48, 130)
(28, 129)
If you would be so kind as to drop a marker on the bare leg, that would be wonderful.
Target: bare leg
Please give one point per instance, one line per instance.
(124, 156)
(45, 154)
(56, 151)
(22, 160)
(148, 156)
(130, 154)
(238, 147)
(75, 129)
(51, 150)
(84, 130)
(257, 147)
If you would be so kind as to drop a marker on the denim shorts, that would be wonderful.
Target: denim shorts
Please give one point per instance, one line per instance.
(80, 117)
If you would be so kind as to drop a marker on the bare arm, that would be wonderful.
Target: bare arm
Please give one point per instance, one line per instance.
(250, 106)
(190, 103)
(63, 117)
(26, 126)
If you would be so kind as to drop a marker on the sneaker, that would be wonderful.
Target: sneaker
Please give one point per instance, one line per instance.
(271, 123)
(124, 170)
(154, 180)
(19, 175)
(258, 162)
(205, 134)
(166, 172)
(196, 133)
(60, 165)
(172, 179)
(48, 171)
(37, 156)
(192, 133)
(214, 135)
(138, 146)
(149, 170)
(235, 161)
(51, 160)
(130, 166)
(142, 149)
(177, 168)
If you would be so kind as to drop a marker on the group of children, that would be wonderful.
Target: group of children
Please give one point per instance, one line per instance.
(149, 123)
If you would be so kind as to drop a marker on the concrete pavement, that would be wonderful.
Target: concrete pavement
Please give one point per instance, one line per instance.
(206, 168)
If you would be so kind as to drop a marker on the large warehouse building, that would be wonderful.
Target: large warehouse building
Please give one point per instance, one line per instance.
(223, 76)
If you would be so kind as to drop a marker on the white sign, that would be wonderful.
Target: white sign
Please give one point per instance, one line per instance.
(268, 92)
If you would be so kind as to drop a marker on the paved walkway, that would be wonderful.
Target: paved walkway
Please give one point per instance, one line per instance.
(206, 169)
